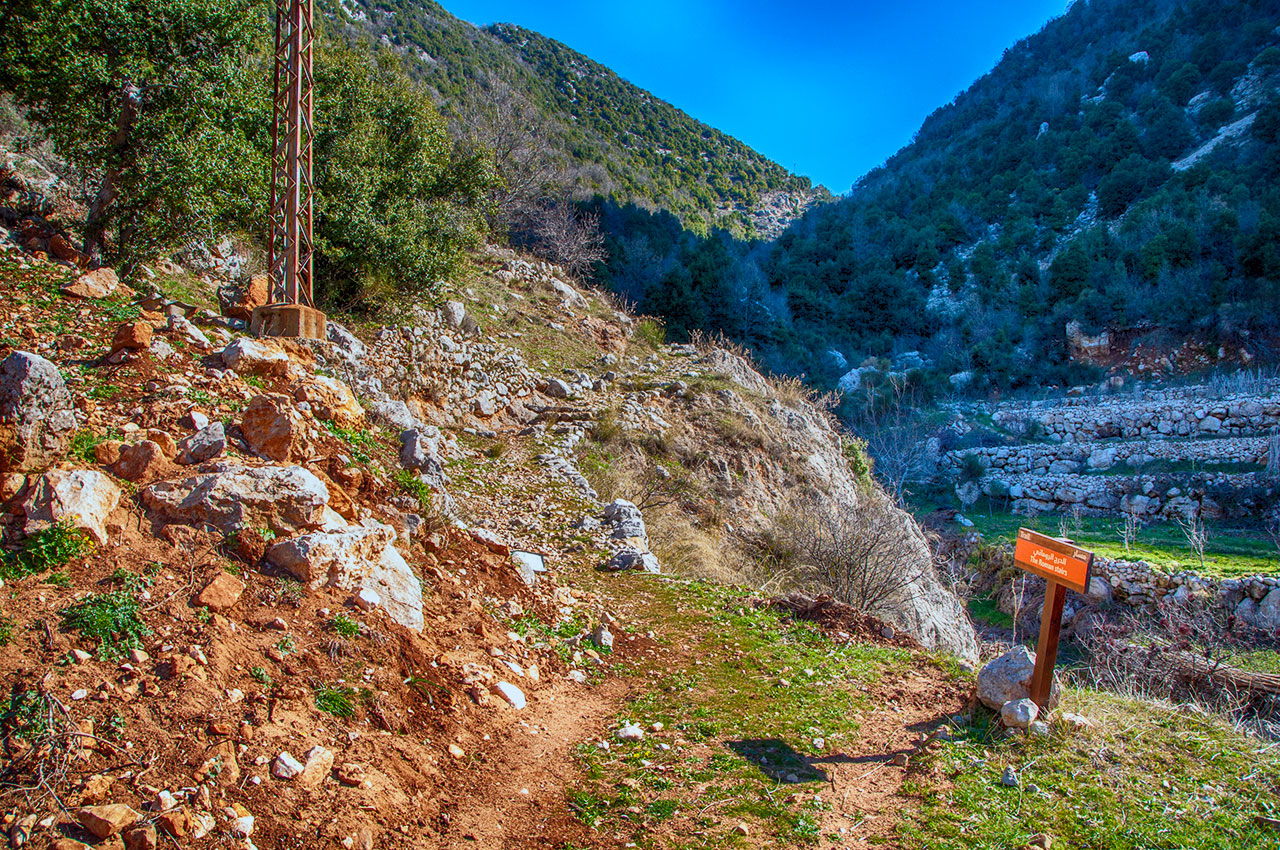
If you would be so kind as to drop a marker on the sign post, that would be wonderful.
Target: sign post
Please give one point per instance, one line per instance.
(1064, 566)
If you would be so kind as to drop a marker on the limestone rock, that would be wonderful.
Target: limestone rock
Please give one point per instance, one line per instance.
(108, 820)
(221, 593)
(1019, 713)
(255, 357)
(626, 518)
(513, 695)
(86, 497)
(285, 499)
(142, 463)
(98, 283)
(357, 558)
(273, 428)
(37, 417)
(286, 766)
(737, 370)
(1008, 678)
(206, 444)
(394, 413)
(331, 399)
(630, 558)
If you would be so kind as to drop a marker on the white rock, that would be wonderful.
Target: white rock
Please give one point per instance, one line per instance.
(286, 766)
(1009, 678)
(85, 497)
(285, 499)
(511, 694)
(362, 557)
(629, 732)
(367, 599)
(1019, 713)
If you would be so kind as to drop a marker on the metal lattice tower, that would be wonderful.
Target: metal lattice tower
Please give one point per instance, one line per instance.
(289, 258)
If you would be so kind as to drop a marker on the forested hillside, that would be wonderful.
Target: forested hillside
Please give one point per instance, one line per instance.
(1120, 169)
(609, 136)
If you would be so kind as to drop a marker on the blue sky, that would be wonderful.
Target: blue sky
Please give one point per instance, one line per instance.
(827, 89)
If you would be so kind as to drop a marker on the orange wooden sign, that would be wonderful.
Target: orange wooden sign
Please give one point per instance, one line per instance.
(1053, 559)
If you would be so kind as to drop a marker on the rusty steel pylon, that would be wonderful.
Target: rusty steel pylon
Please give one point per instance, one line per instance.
(289, 255)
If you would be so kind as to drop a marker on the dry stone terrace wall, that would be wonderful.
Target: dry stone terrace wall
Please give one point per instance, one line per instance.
(1102, 456)
(1148, 496)
(1169, 413)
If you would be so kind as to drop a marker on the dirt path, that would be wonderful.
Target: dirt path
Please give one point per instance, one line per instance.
(518, 797)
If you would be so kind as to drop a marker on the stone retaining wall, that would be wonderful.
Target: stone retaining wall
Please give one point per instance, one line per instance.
(1072, 457)
(1088, 419)
(1255, 600)
(1147, 496)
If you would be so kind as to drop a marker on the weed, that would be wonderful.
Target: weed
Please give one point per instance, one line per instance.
(131, 582)
(204, 615)
(497, 450)
(359, 441)
(253, 381)
(105, 392)
(47, 549)
(587, 807)
(336, 700)
(650, 332)
(112, 619)
(113, 727)
(200, 397)
(261, 676)
(286, 644)
(345, 626)
(58, 579)
(6, 630)
(85, 443)
(27, 716)
(416, 487)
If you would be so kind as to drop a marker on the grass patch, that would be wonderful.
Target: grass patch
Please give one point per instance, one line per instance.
(85, 443)
(1232, 550)
(411, 483)
(984, 610)
(1147, 776)
(361, 442)
(741, 721)
(111, 619)
(336, 700)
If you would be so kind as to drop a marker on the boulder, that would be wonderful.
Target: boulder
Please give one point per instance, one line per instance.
(285, 499)
(1008, 678)
(133, 336)
(454, 313)
(255, 357)
(316, 770)
(142, 463)
(85, 497)
(37, 417)
(632, 558)
(627, 520)
(353, 559)
(557, 388)
(418, 451)
(568, 295)
(98, 283)
(394, 413)
(331, 399)
(206, 444)
(273, 428)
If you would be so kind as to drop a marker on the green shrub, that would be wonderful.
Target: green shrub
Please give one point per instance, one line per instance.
(416, 487)
(345, 626)
(972, 468)
(112, 619)
(47, 549)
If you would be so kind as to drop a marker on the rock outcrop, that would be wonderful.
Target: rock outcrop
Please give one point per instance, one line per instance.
(285, 499)
(37, 418)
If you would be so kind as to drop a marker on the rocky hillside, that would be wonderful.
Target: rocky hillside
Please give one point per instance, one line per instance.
(1112, 182)
(618, 140)
(330, 564)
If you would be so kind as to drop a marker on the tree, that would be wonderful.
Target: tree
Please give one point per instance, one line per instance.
(398, 205)
(153, 100)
